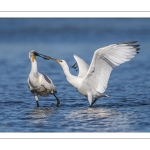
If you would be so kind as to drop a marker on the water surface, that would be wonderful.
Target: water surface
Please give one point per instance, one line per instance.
(127, 109)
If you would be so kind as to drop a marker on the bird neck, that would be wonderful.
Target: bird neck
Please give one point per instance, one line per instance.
(34, 69)
(70, 78)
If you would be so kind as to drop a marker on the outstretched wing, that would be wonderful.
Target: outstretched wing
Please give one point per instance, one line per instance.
(105, 59)
(82, 65)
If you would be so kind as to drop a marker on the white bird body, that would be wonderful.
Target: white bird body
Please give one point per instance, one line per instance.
(80, 84)
(92, 80)
(39, 84)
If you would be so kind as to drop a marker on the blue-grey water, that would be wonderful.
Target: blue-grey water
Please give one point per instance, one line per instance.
(127, 109)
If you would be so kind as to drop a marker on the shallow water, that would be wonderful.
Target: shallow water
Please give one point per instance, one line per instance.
(127, 109)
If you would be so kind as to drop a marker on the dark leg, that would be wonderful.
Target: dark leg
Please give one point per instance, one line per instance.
(58, 101)
(93, 102)
(36, 98)
(37, 103)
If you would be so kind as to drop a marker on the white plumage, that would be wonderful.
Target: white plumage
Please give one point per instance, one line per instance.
(39, 84)
(92, 80)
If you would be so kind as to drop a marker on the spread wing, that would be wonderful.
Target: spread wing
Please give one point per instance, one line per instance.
(82, 65)
(105, 59)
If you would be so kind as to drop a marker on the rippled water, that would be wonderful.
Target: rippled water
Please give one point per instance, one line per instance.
(127, 109)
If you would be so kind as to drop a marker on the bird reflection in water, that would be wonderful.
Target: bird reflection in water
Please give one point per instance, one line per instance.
(98, 118)
(40, 115)
(93, 113)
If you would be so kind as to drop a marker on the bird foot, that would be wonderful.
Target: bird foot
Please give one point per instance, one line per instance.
(58, 103)
(93, 103)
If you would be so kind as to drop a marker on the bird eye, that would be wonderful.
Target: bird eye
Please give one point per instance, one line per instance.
(61, 61)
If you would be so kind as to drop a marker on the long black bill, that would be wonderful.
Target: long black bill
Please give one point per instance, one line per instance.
(54, 59)
(43, 56)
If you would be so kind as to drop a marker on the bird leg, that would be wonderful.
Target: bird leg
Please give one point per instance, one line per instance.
(58, 101)
(93, 102)
(36, 98)
(37, 103)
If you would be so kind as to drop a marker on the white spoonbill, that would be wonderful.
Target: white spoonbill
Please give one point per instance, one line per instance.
(92, 80)
(39, 84)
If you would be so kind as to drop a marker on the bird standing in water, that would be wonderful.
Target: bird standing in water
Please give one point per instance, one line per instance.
(92, 80)
(40, 84)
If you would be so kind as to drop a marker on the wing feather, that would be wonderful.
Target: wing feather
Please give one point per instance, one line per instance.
(83, 66)
(105, 59)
